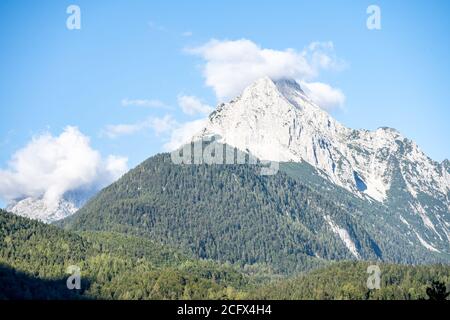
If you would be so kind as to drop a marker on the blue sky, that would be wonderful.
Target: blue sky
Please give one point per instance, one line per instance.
(52, 77)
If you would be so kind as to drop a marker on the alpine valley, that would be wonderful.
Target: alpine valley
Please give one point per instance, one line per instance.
(341, 199)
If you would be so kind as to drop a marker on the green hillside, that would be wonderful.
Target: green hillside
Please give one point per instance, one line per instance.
(347, 280)
(34, 258)
(231, 213)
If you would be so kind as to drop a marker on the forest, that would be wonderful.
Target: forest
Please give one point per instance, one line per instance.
(34, 258)
(230, 213)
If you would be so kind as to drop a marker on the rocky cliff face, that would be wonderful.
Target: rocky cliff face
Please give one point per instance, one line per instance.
(275, 120)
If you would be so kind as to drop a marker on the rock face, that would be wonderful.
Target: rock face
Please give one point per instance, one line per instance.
(275, 120)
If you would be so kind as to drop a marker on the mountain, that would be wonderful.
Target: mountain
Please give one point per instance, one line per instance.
(224, 230)
(292, 221)
(38, 208)
(339, 194)
(34, 258)
(275, 120)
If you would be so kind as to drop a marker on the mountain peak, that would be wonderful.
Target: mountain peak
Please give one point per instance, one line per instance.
(390, 130)
(266, 89)
(274, 120)
(262, 86)
(285, 84)
(286, 87)
(446, 165)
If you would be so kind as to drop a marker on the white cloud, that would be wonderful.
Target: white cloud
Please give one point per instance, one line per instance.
(175, 134)
(162, 125)
(192, 105)
(183, 133)
(324, 95)
(187, 34)
(230, 66)
(159, 125)
(321, 55)
(152, 103)
(116, 166)
(50, 166)
(116, 130)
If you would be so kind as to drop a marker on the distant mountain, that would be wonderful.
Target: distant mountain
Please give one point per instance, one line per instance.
(39, 209)
(275, 120)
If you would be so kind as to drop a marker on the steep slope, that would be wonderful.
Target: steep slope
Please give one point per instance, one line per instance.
(34, 258)
(277, 121)
(232, 213)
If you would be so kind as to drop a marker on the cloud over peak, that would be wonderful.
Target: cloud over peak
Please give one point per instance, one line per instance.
(324, 95)
(192, 105)
(231, 65)
(49, 166)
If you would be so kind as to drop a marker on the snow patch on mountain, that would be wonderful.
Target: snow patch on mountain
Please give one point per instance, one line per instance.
(37, 209)
(426, 220)
(426, 244)
(344, 236)
(404, 221)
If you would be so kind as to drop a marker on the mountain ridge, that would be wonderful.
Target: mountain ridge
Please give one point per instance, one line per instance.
(266, 97)
(275, 120)
(38, 208)
(232, 213)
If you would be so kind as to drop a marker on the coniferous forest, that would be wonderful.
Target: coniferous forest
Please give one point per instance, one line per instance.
(166, 231)
(34, 258)
(220, 159)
